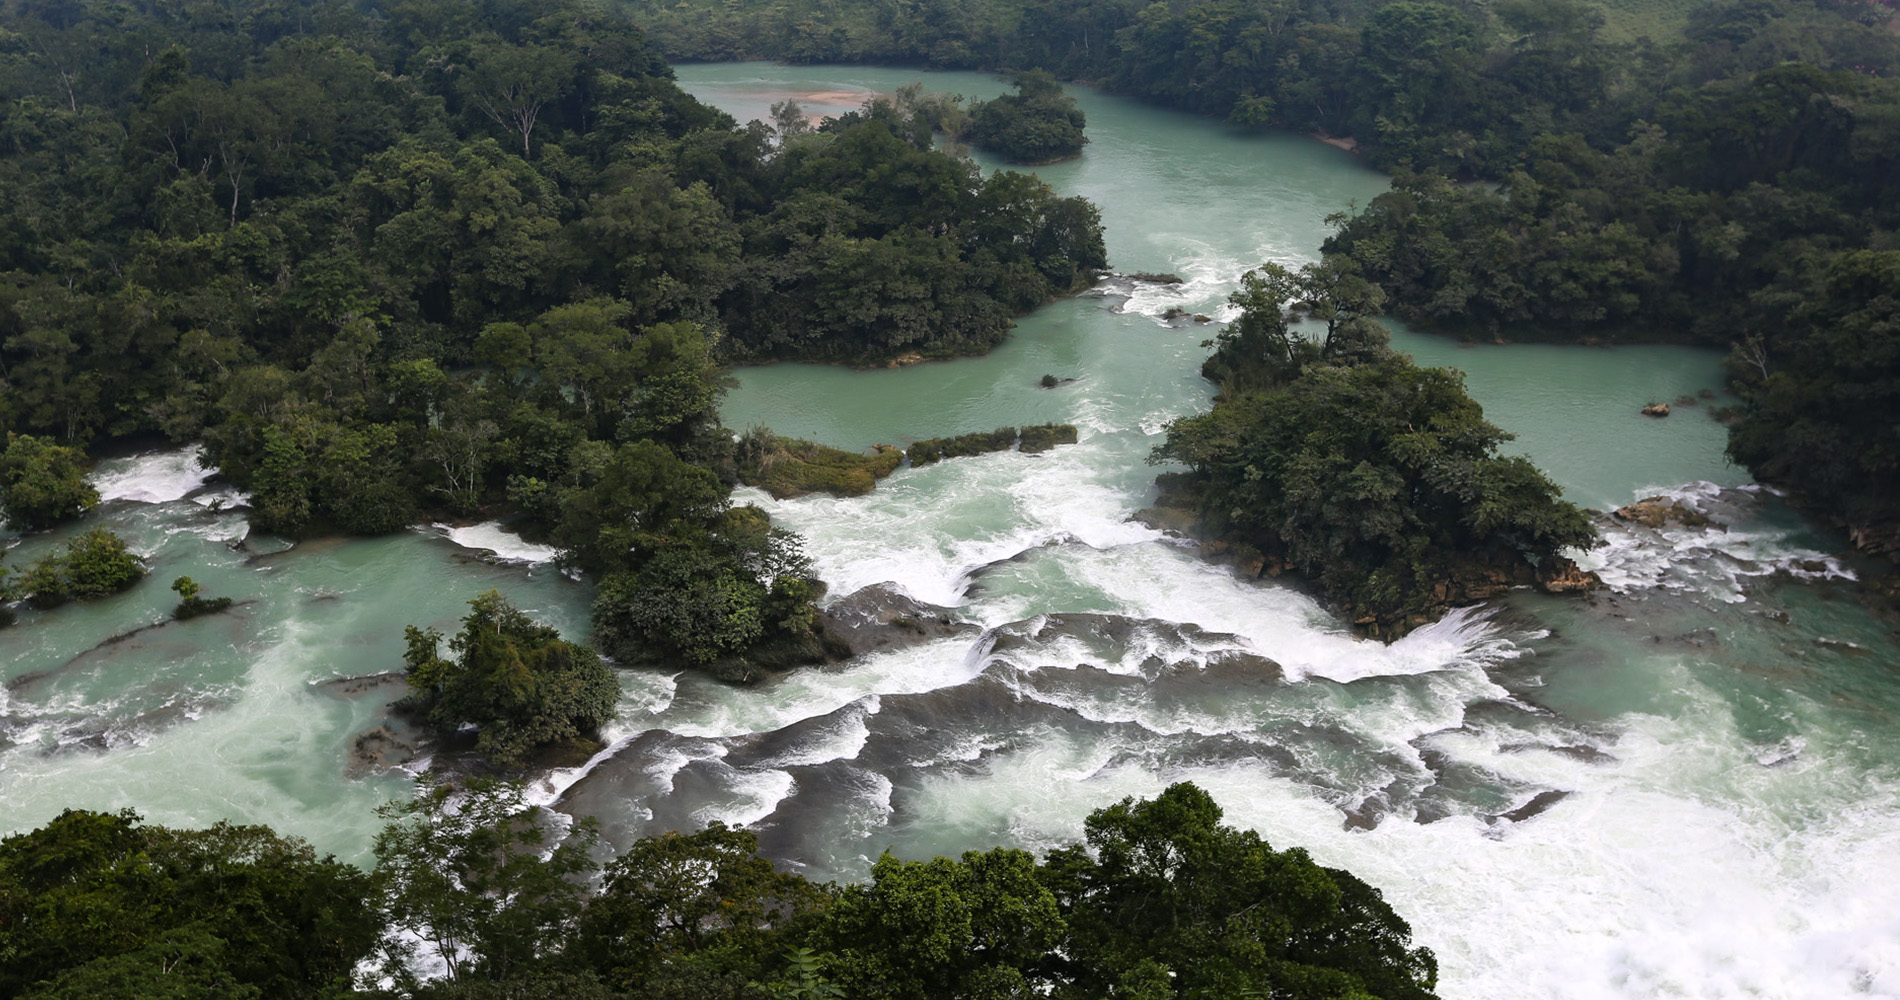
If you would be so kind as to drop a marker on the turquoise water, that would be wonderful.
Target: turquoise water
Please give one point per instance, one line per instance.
(1721, 719)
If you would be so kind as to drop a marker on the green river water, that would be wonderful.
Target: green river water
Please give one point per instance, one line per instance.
(1720, 721)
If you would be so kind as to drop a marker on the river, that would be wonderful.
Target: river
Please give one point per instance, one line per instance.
(1688, 785)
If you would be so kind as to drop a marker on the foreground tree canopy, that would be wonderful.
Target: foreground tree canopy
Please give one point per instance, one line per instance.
(1159, 900)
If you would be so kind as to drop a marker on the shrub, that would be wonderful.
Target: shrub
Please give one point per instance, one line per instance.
(96, 564)
(42, 484)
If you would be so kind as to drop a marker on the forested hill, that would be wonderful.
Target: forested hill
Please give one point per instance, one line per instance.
(1730, 183)
(389, 259)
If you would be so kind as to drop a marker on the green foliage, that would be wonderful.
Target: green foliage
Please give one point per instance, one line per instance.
(705, 898)
(190, 605)
(518, 680)
(1378, 479)
(1661, 168)
(101, 905)
(1037, 124)
(1161, 901)
(737, 604)
(42, 484)
(96, 564)
(1262, 348)
(1822, 391)
(399, 259)
(1164, 886)
(488, 882)
(942, 928)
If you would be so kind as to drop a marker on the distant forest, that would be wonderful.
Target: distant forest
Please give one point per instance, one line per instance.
(1729, 183)
(467, 259)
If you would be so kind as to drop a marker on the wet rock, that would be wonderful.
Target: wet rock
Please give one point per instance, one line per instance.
(883, 617)
(391, 685)
(1877, 539)
(1366, 813)
(1656, 410)
(1561, 576)
(1538, 804)
(1655, 512)
(1581, 751)
(379, 749)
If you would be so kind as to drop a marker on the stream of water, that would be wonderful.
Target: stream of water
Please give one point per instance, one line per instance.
(1687, 785)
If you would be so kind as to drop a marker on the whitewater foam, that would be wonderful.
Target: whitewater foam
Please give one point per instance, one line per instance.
(490, 537)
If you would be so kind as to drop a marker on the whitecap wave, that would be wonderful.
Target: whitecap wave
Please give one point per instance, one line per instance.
(153, 477)
(1714, 559)
(490, 537)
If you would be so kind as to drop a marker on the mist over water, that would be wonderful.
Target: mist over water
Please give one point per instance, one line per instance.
(1685, 786)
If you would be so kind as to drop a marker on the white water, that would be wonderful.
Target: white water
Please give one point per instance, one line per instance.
(1722, 718)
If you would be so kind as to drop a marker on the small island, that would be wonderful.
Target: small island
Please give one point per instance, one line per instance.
(1037, 125)
(1333, 457)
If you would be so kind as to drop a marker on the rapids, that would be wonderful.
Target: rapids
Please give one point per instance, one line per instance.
(1687, 785)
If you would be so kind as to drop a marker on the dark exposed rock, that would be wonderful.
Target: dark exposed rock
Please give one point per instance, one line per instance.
(883, 617)
(1538, 804)
(390, 685)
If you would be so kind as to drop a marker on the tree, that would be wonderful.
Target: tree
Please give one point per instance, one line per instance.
(1380, 480)
(518, 681)
(1037, 124)
(190, 605)
(705, 898)
(1164, 887)
(941, 928)
(96, 564)
(42, 484)
(486, 881)
(96, 901)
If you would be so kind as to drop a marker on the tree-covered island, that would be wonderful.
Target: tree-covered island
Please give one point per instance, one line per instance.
(412, 259)
(1720, 173)
(1332, 456)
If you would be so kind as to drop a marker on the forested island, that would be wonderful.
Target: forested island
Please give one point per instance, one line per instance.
(1723, 177)
(402, 260)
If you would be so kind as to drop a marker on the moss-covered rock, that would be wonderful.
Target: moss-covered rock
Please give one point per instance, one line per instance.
(1042, 437)
(788, 467)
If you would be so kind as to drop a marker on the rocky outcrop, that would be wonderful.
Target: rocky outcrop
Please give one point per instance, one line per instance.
(1561, 576)
(1876, 539)
(379, 749)
(1656, 410)
(1655, 512)
(883, 617)
(1482, 577)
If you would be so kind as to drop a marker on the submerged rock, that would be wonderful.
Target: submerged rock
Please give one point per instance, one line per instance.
(379, 749)
(882, 616)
